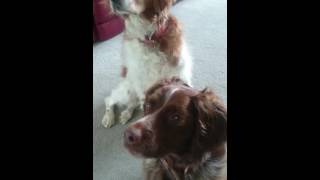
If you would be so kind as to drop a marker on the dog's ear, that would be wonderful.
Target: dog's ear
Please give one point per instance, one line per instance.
(210, 121)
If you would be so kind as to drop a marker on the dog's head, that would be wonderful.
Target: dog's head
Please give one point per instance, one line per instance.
(148, 9)
(177, 119)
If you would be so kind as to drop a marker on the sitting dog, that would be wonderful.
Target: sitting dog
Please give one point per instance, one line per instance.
(153, 48)
(182, 135)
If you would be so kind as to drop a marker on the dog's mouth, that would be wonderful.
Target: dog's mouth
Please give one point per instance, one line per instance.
(142, 152)
(134, 151)
(136, 154)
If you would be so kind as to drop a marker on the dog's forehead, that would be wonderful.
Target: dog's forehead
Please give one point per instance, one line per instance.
(170, 91)
(174, 90)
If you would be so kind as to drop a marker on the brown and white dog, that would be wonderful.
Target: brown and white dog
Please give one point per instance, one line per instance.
(153, 48)
(182, 135)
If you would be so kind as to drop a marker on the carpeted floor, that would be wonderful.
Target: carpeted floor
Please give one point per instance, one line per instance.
(205, 29)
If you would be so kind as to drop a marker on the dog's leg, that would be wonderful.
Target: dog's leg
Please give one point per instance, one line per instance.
(109, 117)
(141, 102)
(141, 98)
(131, 106)
(119, 96)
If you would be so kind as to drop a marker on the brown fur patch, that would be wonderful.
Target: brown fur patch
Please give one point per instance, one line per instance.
(171, 41)
(155, 9)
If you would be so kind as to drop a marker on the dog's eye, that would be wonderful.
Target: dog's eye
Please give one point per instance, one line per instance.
(174, 117)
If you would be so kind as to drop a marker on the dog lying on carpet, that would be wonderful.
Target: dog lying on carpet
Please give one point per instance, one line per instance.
(153, 48)
(182, 135)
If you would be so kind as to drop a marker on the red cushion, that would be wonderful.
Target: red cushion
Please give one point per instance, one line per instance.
(105, 24)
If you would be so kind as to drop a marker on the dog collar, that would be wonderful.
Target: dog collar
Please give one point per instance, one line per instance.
(150, 39)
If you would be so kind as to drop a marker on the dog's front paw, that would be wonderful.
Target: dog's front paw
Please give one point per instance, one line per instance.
(141, 104)
(125, 116)
(108, 119)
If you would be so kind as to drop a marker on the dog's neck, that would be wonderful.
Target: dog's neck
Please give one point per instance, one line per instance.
(139, 28)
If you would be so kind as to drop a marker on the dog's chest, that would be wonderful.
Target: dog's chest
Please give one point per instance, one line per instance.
(145, 63)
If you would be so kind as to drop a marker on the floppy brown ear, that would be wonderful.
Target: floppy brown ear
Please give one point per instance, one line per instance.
(210, 121)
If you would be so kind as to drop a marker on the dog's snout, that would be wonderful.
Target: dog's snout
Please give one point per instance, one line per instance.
(132, 136)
